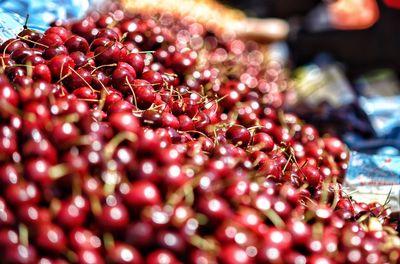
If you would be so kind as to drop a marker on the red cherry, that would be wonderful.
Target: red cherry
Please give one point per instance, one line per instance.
(124, 121)
(38, 171)
(76, 43)
(22, 193)
(263, 142)
(88, 256)
(32, 215)
(238, 135)
(84, 239)
(124, 254)
(140, 234)
(114, 215)
(51, 237)
(233, 254)
(140, 193)
(62, 32)
(161, 256)
(21, 254)
(313, 176)
(60, 65)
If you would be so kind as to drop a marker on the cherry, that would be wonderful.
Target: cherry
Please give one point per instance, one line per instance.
(76, 43)
(140, 234)
(120, 106)
(152, 77)
(11, 45)
(9, 174)
(161, 256)
(65, 134)
(123, 253)
(51, 52)
(334, 146)
(300, 231)
(124, 121)
(238, 135)
(62, 32)
(21, 254)
(22, 193)
(140, 193)
(84, 27)
(89, 256)
(171, 241)
(33, 60)
(6, 215)
(215, 208)
(38, 171)
(33, 215)
(84, 239)
(8, 238)
(111, 53)
(233, 254)
(136, 61)
(80, 77)
(70, 215)
(312, 175)
(114, 215)
(60, 65)
(51, 237)
(8, 140)
(263, 142)
(145, 96)
(41, 72)
(122, 79)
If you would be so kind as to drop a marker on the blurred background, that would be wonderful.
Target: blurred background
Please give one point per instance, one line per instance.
(345, 61)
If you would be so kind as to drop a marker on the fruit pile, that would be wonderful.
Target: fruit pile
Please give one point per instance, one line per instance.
(138, 139)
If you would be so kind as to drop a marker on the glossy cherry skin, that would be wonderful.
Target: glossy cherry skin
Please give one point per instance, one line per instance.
(123, 253)
(70, 215)
(21, 254)
(233, 254)
(161, 256)
(51, 237)
(113, 216)
(60, 66)
(22, 193)
(38, 171)
(84, 239)
(140, 193)
(263, 142)
(87, 256)
(238, 135)
(76, 43)
(32, 215)
(124, 121)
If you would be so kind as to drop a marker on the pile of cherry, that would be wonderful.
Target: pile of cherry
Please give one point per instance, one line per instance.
(151, 140)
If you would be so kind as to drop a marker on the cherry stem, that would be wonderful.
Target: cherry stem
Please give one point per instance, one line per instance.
(83, 79)
(54, 206)
(95, 205)
(34, 42)
(133, 92)
(203, 243)
(318, 230)
(108, 240)
(274, 218)
(58, 171)
(102, 66)
(26, 21)
(109, 149)
(71, 256)
(9, 108)
(23, 233)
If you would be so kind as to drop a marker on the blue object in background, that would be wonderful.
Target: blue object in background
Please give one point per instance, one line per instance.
(41, 13)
